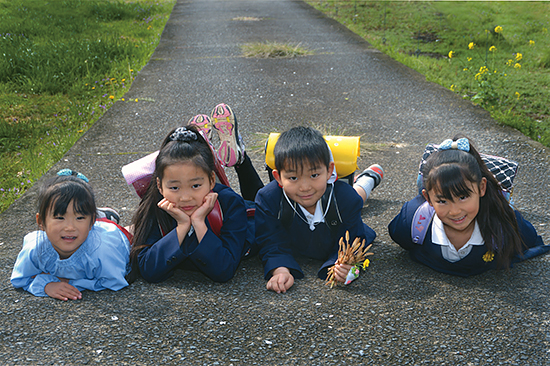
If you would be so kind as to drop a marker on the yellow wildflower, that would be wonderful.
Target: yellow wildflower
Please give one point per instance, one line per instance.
(93, 87)
(519, 56)
(451, 54)
(531, 42)
(492, 49)
(136, 100)
(518, 95)
(465, 69)
(111, 97)
(517, 66)
(122, 99)
(489, 256)
(366, 263)
(498, 29)
(483, 69)
(452, 87)
(469, 59)
(471, 45)
(478, 75)
(510, 62)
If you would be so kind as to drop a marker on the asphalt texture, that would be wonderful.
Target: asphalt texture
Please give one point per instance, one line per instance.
(397, 313)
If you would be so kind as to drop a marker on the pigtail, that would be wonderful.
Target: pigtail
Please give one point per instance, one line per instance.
(497, 220)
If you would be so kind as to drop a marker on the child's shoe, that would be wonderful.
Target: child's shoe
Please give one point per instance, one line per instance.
(231, 151)
(375, 172)
(109, 214)
(204, 124)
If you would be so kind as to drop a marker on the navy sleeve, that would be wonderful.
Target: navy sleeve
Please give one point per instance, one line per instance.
(400, 227)
(533, 242)
(271, 237)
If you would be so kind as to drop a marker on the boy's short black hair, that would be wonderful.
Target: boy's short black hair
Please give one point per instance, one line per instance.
(301, 144)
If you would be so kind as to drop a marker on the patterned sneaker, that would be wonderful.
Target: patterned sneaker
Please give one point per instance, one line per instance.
(108, 213)
(231, 151)
(203, 124)
(374, 171)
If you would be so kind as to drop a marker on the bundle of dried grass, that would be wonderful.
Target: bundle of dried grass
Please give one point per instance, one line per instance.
(355, 254)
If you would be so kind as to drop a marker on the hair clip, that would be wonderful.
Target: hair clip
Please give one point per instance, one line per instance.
(183, 134)
(63, 172)
(460, 144)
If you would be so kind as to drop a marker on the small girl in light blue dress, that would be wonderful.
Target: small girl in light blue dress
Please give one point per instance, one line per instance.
(74, 250)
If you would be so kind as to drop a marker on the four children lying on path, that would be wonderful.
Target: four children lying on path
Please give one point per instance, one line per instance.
(186, 220)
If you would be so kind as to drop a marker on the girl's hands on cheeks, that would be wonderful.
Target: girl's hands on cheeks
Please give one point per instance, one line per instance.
(207, 205)
(281, 280)
(341, 272)
(178, 215)
(62, 291)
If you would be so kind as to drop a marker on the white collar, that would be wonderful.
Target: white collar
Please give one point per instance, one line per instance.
(315, 218)
(448, 250)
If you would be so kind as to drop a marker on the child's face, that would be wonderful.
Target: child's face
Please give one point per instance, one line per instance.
(66, 232)
(185, 185)
(305, 186)
(458, 215)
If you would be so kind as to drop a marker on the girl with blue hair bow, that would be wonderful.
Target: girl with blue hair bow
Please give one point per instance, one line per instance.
(77, 246)
(461, 223)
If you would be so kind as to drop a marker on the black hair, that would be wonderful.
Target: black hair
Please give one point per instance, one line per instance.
(298, 145)
(182, 144)
(56, 194)
(448, 171)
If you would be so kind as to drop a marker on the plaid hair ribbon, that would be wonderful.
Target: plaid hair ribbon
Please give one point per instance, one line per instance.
(460, 144)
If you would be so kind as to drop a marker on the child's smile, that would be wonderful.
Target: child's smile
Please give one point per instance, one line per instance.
(68, 231)
(305, 186)
(459, 214)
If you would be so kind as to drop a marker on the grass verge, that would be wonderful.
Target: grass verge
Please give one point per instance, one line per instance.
(61, 68)
(496, 54)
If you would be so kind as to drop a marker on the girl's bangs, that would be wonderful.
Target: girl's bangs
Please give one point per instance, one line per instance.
(451, 181)
(82, 201)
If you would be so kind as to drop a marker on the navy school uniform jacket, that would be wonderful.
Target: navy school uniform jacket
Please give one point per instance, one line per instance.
(217, 258)
(280, 245)
(430, 254)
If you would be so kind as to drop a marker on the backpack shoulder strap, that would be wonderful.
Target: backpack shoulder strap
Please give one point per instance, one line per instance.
(421, 220)
(215, 219)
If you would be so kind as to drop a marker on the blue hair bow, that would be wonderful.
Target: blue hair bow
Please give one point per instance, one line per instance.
(460, 144)
(72, 172)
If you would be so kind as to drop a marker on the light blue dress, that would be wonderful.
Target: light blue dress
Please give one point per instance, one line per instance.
(101, 262)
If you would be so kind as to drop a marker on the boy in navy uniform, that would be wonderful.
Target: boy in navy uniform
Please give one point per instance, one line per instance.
(305, 210)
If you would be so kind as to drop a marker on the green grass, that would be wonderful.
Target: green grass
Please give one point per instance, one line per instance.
(274, 50)
(62, 65)
(421, 35)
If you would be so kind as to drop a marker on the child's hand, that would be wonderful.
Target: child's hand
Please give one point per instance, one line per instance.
(181, 217)
(62, 291)
(207, 205)
(281, 280)
(341, 271)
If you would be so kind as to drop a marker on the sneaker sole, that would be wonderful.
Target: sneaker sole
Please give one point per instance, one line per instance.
(202, 122)
(225, 124)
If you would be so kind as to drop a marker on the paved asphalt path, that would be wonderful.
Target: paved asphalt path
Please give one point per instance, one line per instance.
(397, 313)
